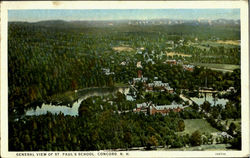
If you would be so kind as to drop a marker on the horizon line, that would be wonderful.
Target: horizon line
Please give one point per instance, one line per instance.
(96, 20)
(119, 14)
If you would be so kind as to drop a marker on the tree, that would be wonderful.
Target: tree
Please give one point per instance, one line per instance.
(215, 112)
(74, 85)
(128, 138)
(181, 125)
(206, 106)
(232, 128)
(236, 142)
(152, 141)
(196, 138)
(195, 106)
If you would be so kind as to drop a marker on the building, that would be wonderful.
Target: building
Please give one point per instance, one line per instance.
(139, 73)
(159, 85)
(107, 71)
(231, 89)
(141, 79)
(164, 109)
(174, 62)
(143, 107)
(170, 42)
(151, 109)
(123, 63)
(188, 67)
(138, 65)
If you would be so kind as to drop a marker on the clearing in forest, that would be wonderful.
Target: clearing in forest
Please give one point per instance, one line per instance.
(232, 42)
(225, 67)
(191, 125)
(123, 48)
(178, 54)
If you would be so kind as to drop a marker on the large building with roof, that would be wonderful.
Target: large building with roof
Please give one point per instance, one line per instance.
(151, 109)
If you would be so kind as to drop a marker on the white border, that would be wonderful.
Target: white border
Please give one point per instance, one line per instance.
(243, 5)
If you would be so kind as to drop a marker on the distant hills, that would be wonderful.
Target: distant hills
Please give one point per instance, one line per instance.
(63, 23)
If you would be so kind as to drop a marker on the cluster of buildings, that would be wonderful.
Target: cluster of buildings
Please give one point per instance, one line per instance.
(151, 109)
(171, 44)
(159, 85)
(140, 78)
(155, 85)
(185, 66)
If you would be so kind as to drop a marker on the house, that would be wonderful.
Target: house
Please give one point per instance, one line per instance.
(139, 73)
(107, 71)
(139, 52)
(150, 60)
(170, 42)
(171, 62)
(188, 67)
(231, 89)
(179, 62)
(138, 65)
(123, 63)
(143, 107)
(169, 89)
(225, 135)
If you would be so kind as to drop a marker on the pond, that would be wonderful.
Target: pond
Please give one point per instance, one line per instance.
(209, 97)
(73, 110)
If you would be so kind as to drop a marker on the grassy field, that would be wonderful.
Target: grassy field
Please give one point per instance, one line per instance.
(122, 48)
(178, 54)
(205, 45)
(227, 44)
(231, 42)
(221, 67)
(202, 125)
(213, 147)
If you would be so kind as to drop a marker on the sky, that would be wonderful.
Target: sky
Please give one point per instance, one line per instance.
(122, 14)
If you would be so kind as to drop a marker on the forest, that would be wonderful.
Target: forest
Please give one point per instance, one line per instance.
(56, 57)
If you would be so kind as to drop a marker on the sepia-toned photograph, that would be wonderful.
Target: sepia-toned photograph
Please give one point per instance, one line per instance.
(107, 82)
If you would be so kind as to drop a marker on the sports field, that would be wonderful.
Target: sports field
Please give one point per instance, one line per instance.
(202, 125)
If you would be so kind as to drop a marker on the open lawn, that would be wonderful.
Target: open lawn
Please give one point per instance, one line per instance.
(121, 85)
(202, 125)
(231, 42)
(123, 48)
(219, 67)
(198, 45)
(205, 45)
(178, 54)
(213, 147)
(227, 44)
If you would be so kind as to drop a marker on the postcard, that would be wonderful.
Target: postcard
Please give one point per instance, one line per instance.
(125, 79)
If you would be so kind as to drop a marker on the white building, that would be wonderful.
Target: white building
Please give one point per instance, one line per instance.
(138, 65)
(107, 71)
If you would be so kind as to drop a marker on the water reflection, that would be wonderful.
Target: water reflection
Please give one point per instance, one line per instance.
(55, 109)
(73, 110)
(211, 99)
